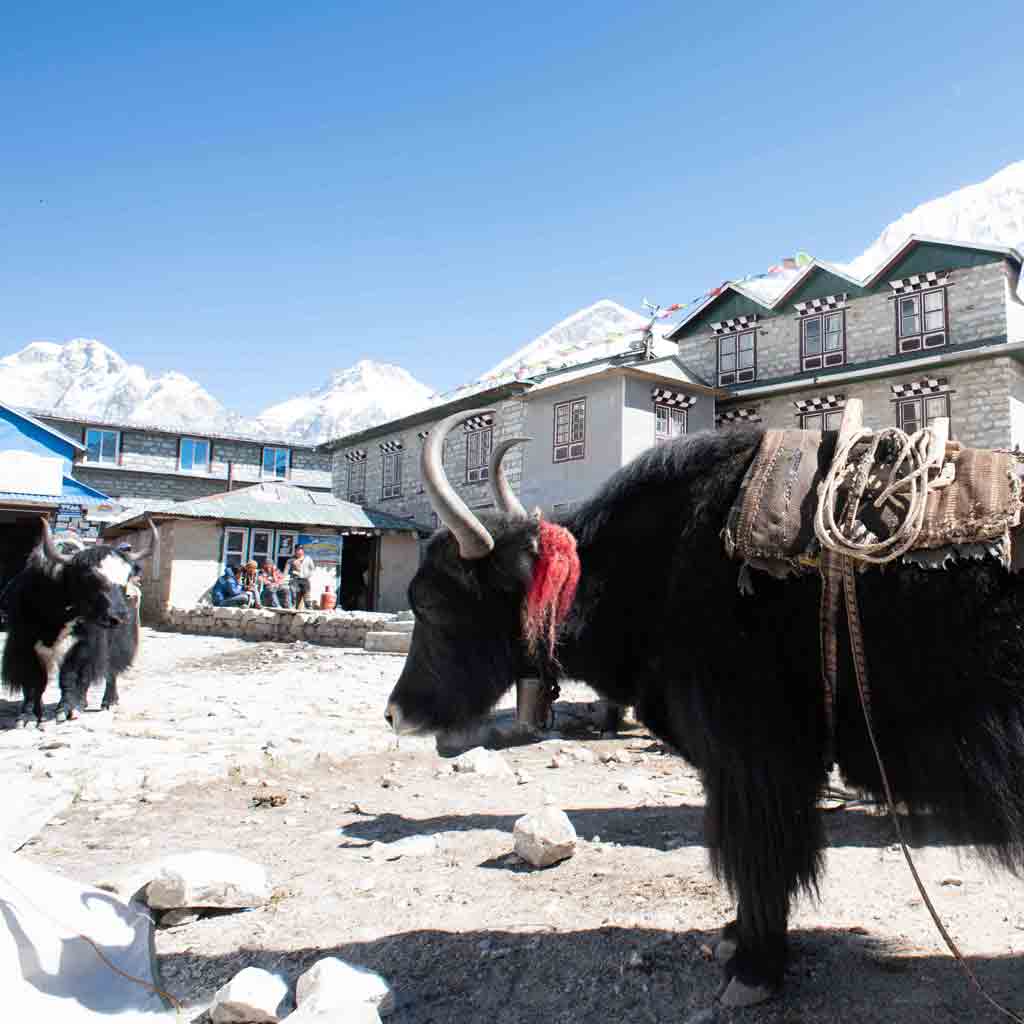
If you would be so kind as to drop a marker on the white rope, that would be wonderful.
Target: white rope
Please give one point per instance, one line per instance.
(852, 538)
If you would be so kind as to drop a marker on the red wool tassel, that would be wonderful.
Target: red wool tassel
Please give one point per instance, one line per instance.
(555, 577)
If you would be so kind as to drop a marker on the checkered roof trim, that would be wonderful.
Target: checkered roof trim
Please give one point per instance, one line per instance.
(918, 282)
(728, 417)
(820, 402)
(356, 455)
(739, 323)
(813, 306)
(475, 423)
(390, 447)
(925, 386)
(678, 399)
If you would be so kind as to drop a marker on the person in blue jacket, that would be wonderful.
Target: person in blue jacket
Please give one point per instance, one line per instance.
(229, 593)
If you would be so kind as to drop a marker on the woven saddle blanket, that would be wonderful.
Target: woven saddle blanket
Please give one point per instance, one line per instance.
(771, 524)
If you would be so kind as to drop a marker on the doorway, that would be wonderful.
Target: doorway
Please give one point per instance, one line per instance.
(357, 591)
(19, 533)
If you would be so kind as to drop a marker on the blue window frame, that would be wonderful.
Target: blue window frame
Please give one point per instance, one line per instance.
(194, 455)
(102, 445)
(277, 462)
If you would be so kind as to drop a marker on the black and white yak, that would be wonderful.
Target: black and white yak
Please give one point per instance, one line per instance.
(732, 681)
(70, 613)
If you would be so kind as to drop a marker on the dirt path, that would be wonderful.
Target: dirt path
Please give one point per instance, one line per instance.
(621, 932)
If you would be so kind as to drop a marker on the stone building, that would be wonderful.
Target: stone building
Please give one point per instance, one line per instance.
(135, 464)
(360, 552)
(585, 422)
(937, 330)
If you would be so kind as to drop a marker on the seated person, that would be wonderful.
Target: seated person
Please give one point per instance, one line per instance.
(250, 580)
(276, 592)
(229, 593)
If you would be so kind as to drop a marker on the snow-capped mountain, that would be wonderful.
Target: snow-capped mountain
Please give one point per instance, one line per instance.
(85, 377)
(362, 396)
(991, 212)
(602, 329)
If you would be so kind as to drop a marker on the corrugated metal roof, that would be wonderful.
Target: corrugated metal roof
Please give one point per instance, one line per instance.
(30, 499)
(277, 504)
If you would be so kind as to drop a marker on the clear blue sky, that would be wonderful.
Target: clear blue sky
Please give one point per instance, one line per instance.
(255, 193)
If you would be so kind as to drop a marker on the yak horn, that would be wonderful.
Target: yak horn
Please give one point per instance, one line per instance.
(50, 549)
(149, 550)
(506, 501)
(470, 534)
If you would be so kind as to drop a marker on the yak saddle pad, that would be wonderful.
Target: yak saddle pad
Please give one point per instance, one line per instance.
(771, 524)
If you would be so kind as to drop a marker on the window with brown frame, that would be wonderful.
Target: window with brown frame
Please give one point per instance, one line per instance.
(669, 422)
(737, 358)
(921, 320)
(826, 419)
(570, 431)
(357, 481)
(823, 340)
(912, 414)
(478, 451)
(391, 472)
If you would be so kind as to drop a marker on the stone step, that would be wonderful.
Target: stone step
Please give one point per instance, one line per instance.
(395, 627)
(387, 643)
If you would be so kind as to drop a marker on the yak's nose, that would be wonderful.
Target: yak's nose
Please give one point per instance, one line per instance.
(112, 621)
(392, 715)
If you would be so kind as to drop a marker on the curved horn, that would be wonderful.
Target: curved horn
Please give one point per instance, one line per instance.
(473, 539)
(506, 501)
(49, 548)
(148, 551)
(76, 543)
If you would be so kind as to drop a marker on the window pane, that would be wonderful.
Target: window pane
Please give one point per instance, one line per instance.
(201, 453)
(910, 325)
(813, 421)
(910, 305)
(728, 361)
(726, 346)
(678, 422)
(833, 419)
(910, 415)
(746, 359)
(93, 442)
(579, 413)
(109, 450)
(186, 453)
(934, 408)
(834, 332)
(747, 342)
(934, 321)
(282, 462)
(812, 337)
(933, 301)
(268, 460)
(661, 417)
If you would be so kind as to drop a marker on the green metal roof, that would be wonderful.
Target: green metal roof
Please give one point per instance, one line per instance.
(275, 505)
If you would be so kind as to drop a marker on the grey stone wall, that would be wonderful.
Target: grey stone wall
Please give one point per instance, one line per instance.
(412, 503)
(980, 406)
(329, 629)
(977, 309)
(155, 457)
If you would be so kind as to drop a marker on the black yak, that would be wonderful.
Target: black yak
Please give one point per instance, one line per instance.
(70, 613)
(732, 681)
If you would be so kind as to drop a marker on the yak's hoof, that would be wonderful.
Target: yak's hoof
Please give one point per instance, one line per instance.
(66, 714)
(738, 994)
(21, 722)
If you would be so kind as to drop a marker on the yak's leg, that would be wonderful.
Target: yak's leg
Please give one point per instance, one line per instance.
(765, 838)
(33, 680)
(74, 690)
(110, 698)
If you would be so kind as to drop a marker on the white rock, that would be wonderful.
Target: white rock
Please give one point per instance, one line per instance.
(411, 846)
(332, 983)
(544, 837)
(484, 762)
(206, 879)
(580, 754)
(251, 997)
(615, 757)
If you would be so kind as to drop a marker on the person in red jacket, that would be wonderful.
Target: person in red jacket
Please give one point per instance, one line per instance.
(276, 593)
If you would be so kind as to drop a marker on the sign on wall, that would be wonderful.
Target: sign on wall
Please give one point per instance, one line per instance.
(320, 547)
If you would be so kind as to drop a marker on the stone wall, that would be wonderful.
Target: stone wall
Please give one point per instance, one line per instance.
(977, 311)
(980, 407)
(412, 503)
(148, 465)
(329, 629)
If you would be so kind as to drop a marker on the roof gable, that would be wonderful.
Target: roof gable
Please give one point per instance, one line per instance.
(732, 301)
(39, 432)
(919, 255)
(818, 281)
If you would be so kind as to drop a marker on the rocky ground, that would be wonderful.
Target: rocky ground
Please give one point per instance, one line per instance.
(210, 728)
